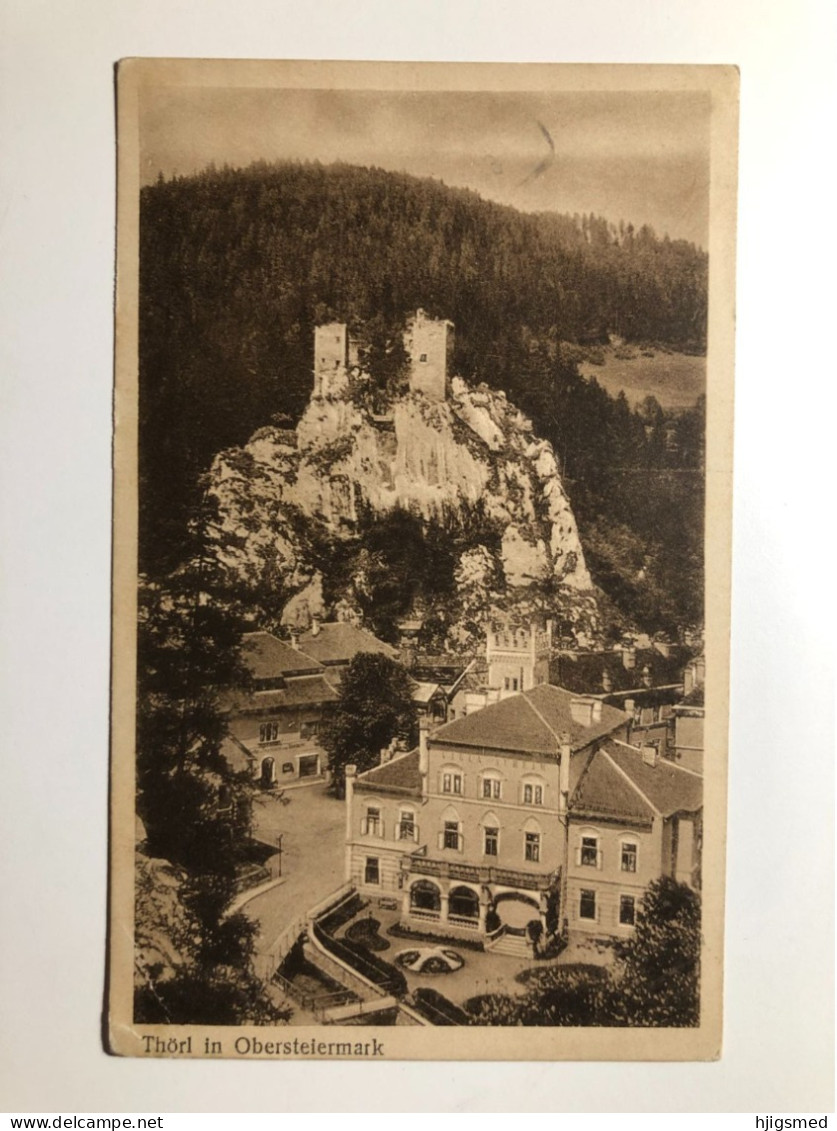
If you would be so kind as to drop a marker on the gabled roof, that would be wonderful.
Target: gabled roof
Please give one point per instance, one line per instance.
(530, 723)
(424, 692)
(618, 783)
(604, 792)
(268, 657)
(401, 774)
(300, 691)
(338, 642)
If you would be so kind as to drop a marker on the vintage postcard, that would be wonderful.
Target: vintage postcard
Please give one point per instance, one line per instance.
(421, 560)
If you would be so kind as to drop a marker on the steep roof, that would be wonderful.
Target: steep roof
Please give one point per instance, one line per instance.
(401, 774)
(531, 723)
(424, 692)
(300, 691)
(268, 657)
(339, 642)
(619, 783)
(603, 791)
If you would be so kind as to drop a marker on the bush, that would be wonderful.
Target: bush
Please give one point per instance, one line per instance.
(333, 920)
(438, 1009)
(399, 931)
(365, 932)
(360, 958)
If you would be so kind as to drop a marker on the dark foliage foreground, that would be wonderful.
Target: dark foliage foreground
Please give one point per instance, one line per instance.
(653, 983)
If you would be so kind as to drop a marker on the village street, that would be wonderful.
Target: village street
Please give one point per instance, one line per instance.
(312, 824)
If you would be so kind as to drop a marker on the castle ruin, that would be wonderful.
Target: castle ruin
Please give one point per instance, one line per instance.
(429, 344)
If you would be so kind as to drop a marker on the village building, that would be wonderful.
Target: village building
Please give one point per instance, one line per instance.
(273, 726)
(645, 682)
(334, 644)
(687, 741)
(516, 659)
(534, 807)
(633, 817)
(438, 678)
(468, 831)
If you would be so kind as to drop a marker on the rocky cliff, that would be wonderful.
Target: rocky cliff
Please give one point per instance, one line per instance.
(432, 459)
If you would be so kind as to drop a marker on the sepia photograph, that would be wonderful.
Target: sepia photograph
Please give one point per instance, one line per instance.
(422, 505)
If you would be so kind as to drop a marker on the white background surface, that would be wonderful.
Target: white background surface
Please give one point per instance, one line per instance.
(56, 275)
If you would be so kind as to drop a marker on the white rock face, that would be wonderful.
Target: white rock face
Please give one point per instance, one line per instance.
(431, 457)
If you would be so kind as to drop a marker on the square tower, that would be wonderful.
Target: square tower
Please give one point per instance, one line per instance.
(331, 355)
(518, 657)
(429, 345)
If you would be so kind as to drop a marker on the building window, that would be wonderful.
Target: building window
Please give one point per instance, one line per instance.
(533, 847)
(463, 903)
(587, 904)
(450, 836)
(423, 357)
(589, 855)
(373, 826)
(425, 896)
(309, 729)
(532, 794)
(451, 783)
(629, 854)
(491, 787)
(627, 910)
(492, 840)
(372, 871)
(407, 825)
(269, 732)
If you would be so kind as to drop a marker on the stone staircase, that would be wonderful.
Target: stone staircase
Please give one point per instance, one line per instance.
(514, 945)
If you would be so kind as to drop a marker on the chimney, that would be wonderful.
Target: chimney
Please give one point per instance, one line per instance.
(629, 658)
(295, 638)
(424, 755)
(316, 621)
(597, 710)
(649, 755)
(564, 772)
(581, 710)
(646, 676)
(607, 682)
(351, 774)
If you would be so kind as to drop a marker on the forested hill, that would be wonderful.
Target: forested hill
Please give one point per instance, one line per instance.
(237, 266)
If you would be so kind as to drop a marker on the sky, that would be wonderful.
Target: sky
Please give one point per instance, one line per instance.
(637, 156)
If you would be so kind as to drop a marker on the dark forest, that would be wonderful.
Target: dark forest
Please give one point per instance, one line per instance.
(238, 266)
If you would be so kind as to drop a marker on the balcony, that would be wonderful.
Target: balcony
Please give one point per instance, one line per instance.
(478, 874)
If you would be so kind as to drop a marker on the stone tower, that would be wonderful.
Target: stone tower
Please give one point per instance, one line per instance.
(518, 658)
(429, 345)
(334, 354)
